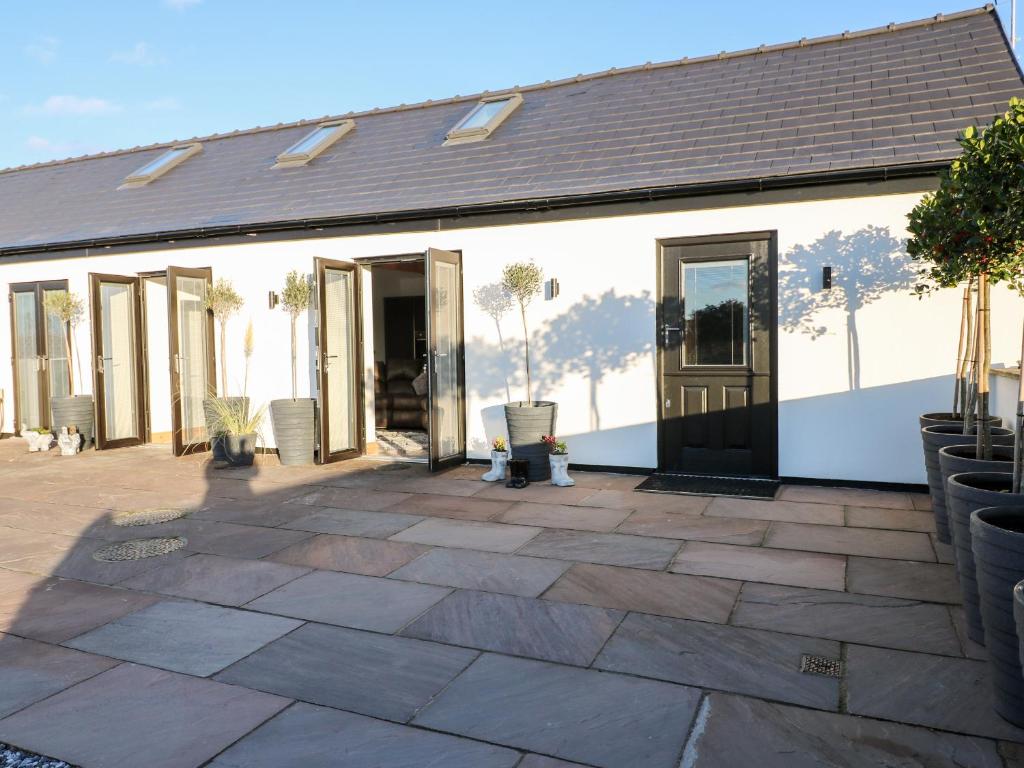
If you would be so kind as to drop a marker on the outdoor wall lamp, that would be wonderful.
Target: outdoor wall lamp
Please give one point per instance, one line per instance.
(826, 278)
(273, 299)
(551, 289)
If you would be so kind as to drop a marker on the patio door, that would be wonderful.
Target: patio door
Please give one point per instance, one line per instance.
(39, 357)
(339, 360)
(445, 359)
(190, 328)
(117, 369)
(717, 320)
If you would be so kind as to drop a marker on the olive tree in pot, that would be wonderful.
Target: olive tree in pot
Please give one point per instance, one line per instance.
(70, 410)
(294, 419)
(528, 420)
(224, 302)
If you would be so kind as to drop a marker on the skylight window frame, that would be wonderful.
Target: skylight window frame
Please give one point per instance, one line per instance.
(460, 135)
(180, 152)
(290, 159)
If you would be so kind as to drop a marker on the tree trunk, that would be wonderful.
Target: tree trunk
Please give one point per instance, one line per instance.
(67, 351)
(526, 341)
(295, 376)
(971, 364)
(1018, 440)
(984, 443)
(959, 393)
(223, 359)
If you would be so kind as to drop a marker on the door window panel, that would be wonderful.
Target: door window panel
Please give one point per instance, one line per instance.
(716, 313)
(26, 360)
(57, 354)
(193, 356)
(445, 310)
(117, 307)
(339, 359)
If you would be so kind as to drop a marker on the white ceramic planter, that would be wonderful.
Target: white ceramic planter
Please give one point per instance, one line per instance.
(560, 470)
(499, 461)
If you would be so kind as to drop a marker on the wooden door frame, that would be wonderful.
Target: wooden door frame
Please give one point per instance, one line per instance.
(96, 331)
(37, 288)
(437, 464)
(772, 238)
(321, 265)
(211, 362)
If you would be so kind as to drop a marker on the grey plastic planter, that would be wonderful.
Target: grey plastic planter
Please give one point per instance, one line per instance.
(997, 539)
(969, 492)
(239, 450)
(939, 436)
(77, 411)
(527, 423)
(210, 415)
(950, 419)
(294, 423)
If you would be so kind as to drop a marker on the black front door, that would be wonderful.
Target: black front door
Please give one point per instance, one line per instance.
(717, 322)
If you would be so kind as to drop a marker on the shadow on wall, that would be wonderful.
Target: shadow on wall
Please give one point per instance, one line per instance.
(866, 265)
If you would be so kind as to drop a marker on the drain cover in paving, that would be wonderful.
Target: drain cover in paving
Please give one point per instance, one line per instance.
(708, 485)
(821, 665)
(147, 516)
(138, 549)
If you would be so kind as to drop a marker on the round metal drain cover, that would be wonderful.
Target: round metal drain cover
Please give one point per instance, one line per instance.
(147, 516)
(138, 549)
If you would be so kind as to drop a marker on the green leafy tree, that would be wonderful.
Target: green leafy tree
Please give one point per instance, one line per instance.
(295, 300)
(523, 282)
(223, 301)
(68, 308)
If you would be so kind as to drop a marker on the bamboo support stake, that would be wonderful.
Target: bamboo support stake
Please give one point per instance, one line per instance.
(1018, 440)
(971, 364)
(960, 390)
(984, 356)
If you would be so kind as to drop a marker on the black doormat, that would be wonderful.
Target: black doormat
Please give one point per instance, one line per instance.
(707, 485)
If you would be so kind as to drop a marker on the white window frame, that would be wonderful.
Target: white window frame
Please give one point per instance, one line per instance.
(139, 179)
(460, 135)
(290, 159)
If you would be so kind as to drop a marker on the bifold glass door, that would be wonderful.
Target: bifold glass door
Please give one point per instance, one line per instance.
(445, 359)
(117, 368)
(339, 360)
(40, 355)
(190, 325)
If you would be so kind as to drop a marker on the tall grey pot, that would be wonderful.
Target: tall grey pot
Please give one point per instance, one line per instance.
(294, 423)
(968, 492)
(527, 423)
(948, 419)
(210, 415)
(997, 539)
(75, 411)
(938, 436)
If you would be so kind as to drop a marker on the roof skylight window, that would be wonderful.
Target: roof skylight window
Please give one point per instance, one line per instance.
(483, 119)
(160, 165)
(313, 143)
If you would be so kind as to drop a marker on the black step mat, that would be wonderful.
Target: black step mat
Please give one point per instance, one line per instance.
(707, 485)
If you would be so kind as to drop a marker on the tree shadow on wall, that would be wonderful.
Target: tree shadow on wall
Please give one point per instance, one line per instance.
(866, 265)
(495, 302)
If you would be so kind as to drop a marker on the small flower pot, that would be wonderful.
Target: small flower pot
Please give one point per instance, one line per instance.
(239, 450)
(210, 415)
(499, 460)
(997, 540)
(527, 424)
(560, 470)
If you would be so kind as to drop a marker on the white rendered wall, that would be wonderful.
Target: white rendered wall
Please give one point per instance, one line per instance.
(841, 416)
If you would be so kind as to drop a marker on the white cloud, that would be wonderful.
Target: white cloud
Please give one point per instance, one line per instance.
(139, 55)
(180, 5)
(166, 104)
(48, 149)
(74, 105)
(43, 49)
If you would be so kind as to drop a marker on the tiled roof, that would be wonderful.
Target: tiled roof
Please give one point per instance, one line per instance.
(894, 96)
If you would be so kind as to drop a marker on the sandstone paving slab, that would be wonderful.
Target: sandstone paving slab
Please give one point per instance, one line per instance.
(738, 731)
(32, 551)
(348, 498)
(230, 539)
(445, 486)
(637, 500)
(868, 619)
(891, 519)
(934, 691)
(194, 638)
(30, 671)
(921, 501)
(467, 534)
(351, 600)
(867, 542)
(856, 497)
(79, 562)
(540, 761)
(485, 571)
(54, 610)
(607, 481)
(455, 507)
(174, 720)
(522, 626)
(632, 589)
(971, 649)
(540, 492)
(943, 552)
(581, 715)
(603, 548)
(216, 579)
(370, 557)
(772, 509)
(353, 522)
(749, 661)
(317, 736)
(376, 675)
(670, 525)
(934, 582)
(564, 516)
(45, 517)
(772, 566)
(268, 514)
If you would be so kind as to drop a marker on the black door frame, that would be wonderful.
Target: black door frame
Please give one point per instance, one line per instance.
(42, 352)
(771, 236)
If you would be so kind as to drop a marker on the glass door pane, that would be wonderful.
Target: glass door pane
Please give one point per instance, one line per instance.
(444, 324)
(192, 358)
(716, 316)
(119, 363)
(339, 362)
(59, 374)
(27, 362)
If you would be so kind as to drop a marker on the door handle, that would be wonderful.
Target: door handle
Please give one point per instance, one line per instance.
(667, 330)
(99, 364)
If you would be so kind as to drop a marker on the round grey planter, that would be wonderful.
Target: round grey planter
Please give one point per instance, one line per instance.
(939, 436)
(210, 415)
(968, 492)
(77, 411)
(294, 424)
(997, 539)
(240, 450)
(950, 419)
(527, 423)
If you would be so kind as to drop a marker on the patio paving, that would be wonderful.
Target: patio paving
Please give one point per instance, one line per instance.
(360, 615)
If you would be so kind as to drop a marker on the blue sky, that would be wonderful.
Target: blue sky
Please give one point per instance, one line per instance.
(87, 77)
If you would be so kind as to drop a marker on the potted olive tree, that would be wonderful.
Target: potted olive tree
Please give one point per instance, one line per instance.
(294, 419)
(70, 410)
(224, 302)
(528, 420)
